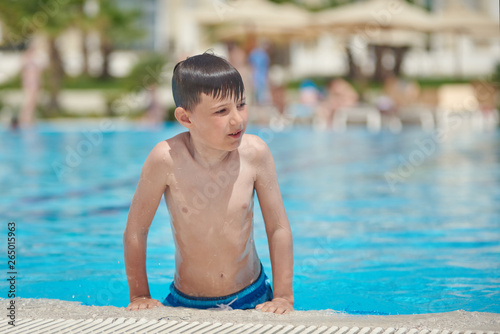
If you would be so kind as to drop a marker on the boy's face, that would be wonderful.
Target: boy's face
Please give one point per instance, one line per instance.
(219, 123)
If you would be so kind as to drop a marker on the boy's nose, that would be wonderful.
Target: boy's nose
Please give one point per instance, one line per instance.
(236, 118)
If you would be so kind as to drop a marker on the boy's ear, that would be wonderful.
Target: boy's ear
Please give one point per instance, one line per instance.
(183, 116)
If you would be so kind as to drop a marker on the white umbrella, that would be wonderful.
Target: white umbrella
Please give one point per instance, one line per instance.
(275, 33)
(373, 15)
(456, 17)
(258, 13)
(459, 20)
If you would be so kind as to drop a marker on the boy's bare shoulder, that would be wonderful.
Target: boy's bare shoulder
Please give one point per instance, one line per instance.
(254, 148)
(165, 151)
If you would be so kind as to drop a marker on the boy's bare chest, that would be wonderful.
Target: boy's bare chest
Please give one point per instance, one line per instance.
(218, 192)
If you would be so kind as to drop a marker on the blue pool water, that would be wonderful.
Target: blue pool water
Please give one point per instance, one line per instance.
(383, 223)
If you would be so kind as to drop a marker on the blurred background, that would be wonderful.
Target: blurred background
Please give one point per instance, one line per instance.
(382, 117)
(321, 62)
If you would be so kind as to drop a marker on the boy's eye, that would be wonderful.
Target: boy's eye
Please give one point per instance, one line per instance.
(242, 104)
(220, 111)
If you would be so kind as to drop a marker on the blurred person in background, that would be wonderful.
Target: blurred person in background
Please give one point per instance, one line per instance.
(32, 68)
(340, 94)
(259, 61)
(238, 58)
(278, 88)
(397, 94)
(487, 97)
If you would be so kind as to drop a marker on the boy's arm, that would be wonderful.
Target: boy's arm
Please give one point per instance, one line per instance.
(279, 233)
(151, 186)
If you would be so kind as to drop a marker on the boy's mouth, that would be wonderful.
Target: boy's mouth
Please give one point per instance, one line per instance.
(236, 134)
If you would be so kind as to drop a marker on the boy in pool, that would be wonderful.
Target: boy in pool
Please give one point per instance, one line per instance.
(208, 176)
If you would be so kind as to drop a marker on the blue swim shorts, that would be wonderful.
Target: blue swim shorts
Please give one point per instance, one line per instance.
(256, 293)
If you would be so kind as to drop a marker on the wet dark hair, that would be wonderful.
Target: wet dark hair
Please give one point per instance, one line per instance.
(205, 73)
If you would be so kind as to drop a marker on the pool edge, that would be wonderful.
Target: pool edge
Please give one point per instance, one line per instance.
(47, 311)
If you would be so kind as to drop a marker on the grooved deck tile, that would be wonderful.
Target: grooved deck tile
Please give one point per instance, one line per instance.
(364, 330)
(297, 329)
(213, 328)
(63, 326)
(138, 326)
(229, 329)
(31, 327)
(320, 330)
(196, 329)
(331, 330)
(93, 325)
(119, 328)
(342, 330)
(5, 325)
(353, 330)
(139, 323)
(264, 329)
(30, 324)
(171, 329)
(308, 330)
(154, 325)
(74, 325)
(286, 329)
(49, 325)
(252, 329)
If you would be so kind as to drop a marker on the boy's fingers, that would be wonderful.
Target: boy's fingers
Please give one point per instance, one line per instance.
(268, 308)
(262, 307)
(273, 308)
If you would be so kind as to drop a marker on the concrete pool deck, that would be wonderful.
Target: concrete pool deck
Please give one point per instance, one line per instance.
(55, 316)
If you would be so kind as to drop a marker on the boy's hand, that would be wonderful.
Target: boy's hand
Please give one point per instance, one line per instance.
(143, 303)
(277, 305)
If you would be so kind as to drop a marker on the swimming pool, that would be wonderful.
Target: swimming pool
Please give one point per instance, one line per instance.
(383, 223)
